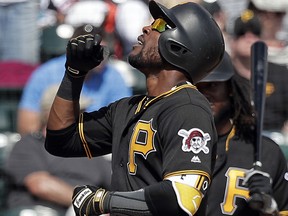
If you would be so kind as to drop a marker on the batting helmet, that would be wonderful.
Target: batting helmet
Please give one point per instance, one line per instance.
(194, 43)
(223, 72)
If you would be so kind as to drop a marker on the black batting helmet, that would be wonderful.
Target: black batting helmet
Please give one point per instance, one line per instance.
(195, 43)
(223, 72)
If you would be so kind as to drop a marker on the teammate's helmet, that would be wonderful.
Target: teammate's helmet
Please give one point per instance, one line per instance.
(223, 72)
(195, 43)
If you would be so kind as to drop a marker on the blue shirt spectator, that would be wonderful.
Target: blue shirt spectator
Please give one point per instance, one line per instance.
(102, 87)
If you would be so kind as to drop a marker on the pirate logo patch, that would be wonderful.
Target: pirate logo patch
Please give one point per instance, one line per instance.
(194, 140)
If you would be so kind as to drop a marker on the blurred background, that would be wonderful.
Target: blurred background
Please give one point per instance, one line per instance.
(33, 38)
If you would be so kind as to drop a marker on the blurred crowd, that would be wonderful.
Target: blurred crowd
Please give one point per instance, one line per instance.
(33, 39)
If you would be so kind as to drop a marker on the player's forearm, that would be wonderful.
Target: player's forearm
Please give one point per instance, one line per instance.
(159, 199)
(63, 113)
(149, 201)
(65, 108)
(127, 203)
(142, 202)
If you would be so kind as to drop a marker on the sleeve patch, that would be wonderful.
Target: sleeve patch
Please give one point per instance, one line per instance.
(194, 140)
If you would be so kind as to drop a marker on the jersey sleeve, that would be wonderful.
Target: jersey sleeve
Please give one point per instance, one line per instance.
(188, 140)
(90, 136)
(187, 136)
(95, 131)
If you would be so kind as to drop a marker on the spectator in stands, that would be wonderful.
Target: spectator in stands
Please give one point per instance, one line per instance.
(172, 3)
(127, 27)
(247, 30)
(42, 182)
(19, 32)
(219, 15)
(84, 12)
(103, 86)
(271, 15)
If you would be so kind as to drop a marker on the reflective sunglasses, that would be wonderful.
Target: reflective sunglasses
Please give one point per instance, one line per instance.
(160, 25)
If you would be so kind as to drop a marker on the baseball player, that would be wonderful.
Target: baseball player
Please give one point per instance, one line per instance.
(234, 182)
(162, 143)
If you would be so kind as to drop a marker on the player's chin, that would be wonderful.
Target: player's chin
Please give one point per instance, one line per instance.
(136, 49)
(212, 106)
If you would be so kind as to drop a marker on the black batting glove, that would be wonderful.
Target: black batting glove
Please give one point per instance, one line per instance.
(260, 190)
(88, 200)
(83, 53)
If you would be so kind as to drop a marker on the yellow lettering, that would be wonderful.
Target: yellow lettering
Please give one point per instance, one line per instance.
(233, 190)
(142, 143)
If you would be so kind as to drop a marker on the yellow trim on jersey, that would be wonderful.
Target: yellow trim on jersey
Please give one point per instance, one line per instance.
(200, 182)
(189, 198)
(231, 134)
(283, 213)
(188, 172)
(140, 104)
(165, 94)
(168, 93)
(82, 137)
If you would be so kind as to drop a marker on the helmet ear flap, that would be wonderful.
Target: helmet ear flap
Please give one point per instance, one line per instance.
(171, 49)
(174, 52)
(177, 50)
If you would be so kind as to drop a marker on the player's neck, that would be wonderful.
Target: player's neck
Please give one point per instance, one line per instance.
(224, 127)
(162, 82)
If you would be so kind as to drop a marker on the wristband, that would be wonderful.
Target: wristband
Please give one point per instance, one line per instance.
(130, 203)
(70, 87)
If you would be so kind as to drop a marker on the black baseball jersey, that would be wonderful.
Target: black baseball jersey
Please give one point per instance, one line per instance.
(227, 195)
(152, 138)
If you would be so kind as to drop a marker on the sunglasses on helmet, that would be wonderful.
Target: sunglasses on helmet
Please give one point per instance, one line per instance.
(160, 25)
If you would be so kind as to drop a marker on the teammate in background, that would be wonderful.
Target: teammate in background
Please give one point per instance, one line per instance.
(162, 143)
(42, 182)
(228, 195)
